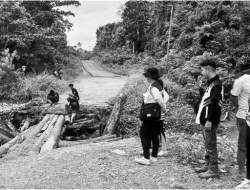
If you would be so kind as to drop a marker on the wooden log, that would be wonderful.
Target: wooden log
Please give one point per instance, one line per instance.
(63, 132)
(44, 137)
(53, 140)
(114, 118)
(81, 120)
(56, 113)
(5, 148)
(41, 125)
(4, 139)
(6, 133)
(67, 119)
(71, 138)
(11, 127)
(87, 123)
(26, 124)
(48, 123)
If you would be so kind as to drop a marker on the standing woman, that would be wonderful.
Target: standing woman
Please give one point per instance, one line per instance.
(150, 115)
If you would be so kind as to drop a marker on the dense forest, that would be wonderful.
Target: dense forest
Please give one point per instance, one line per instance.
(33, 34)
(200, 29)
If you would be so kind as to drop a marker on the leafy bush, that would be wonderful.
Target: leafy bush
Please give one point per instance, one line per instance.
(40, 85)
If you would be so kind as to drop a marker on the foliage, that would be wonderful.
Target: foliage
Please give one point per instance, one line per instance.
(36, 30)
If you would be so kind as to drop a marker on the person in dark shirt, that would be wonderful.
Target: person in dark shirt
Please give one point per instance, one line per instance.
(74, 91)
(72, 107)
(208, 116)
(53, 97)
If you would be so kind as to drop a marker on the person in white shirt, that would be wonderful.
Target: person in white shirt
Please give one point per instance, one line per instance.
(240, 95)
(150, 129)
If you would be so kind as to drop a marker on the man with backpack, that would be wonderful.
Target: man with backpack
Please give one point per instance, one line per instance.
(240, 95)
(208, 116)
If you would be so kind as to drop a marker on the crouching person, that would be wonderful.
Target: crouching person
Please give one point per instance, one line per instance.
(208, 116)
(72, 107)
(53, 97)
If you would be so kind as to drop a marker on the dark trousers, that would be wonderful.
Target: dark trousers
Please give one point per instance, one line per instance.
(149, 133)
(241, 152)
(210, 139)
(248, 151)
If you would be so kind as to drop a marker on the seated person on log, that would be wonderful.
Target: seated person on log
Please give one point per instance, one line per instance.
(53, 97)
(72, 107)
(74, 91)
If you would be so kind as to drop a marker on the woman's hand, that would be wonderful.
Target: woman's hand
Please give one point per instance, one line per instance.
(164, 115)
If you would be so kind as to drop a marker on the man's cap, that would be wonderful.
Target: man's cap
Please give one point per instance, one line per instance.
(71, 85)
(208, 63)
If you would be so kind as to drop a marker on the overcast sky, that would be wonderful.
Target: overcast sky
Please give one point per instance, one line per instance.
(88, 17)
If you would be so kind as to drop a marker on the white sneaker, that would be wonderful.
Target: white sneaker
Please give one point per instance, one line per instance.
(162, 153)
(153, 159)
(244, 184)
(143, 161)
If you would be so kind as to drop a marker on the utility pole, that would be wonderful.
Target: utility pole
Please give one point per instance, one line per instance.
(169, 34)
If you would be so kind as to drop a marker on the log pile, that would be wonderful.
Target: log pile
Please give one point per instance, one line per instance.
(87, 128)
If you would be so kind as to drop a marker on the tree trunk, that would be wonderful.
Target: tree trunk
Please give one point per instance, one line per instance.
(53, 140)
(114, 118)
(67, 119)
(44, 137)
(63, 132)
(41, 125)
(26, 125)
(6, 133)
(11, 127)
(17, 140)
(48, 123)
(4, 139)
(87, 123)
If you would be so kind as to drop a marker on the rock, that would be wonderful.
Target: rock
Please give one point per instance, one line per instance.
(201, 161)
(209, 180)
(177, 186)
(131, 171)
(113, 174)
(119, 152)
(83, 136)
(172, 179)
(223, 167)
(223, 171)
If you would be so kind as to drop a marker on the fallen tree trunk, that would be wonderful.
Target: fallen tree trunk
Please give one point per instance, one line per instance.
(17, 140)
(63, 132)
(41, 125)
(48, 123)
(6, 133)
(87, 123)
(114, 118)
(81, 120)
(4, 139)
(26, 125)
(52, 142)
(67, 119)
(56, 113)
(44, 137)
(11, 127)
